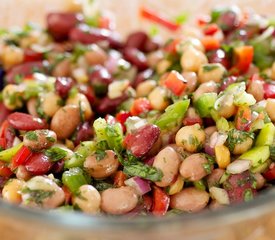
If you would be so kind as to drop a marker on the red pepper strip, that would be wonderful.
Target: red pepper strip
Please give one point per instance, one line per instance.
(175, 82)
(269, 90)
(210, 43)
(243, 58)
(119, 179)
(156, 18)
(161, 202)
(211, 29)
(20, 157)
(121, 117)
(140, 105)
(4, 170)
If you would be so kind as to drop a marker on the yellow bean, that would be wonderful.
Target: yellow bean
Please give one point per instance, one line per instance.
(222, 156)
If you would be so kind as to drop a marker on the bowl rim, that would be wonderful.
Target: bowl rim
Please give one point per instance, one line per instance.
(203, 220)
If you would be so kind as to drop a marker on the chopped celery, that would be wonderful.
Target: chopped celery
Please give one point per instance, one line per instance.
(261, 167)
(73, 179)
(222, 124)
(173, 115)
(7, 154)
(257, 155)
(266, 135)
(199, 185)
(112, 133)
(79, 156)
(205, 103)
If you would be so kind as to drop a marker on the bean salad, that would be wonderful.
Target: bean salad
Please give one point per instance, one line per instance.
(93, 122)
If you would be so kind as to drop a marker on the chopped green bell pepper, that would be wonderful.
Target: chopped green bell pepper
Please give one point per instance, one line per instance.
(7, 154)
(205, 103)
(266, 135)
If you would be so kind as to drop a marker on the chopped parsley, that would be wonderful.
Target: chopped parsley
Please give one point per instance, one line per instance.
(37, 195)
(248, 195)
(50, 139)
(209, 68)
(32, 136)
(236, 137)
(55, 153)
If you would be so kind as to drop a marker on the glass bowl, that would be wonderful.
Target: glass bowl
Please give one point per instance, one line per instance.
(250, 221)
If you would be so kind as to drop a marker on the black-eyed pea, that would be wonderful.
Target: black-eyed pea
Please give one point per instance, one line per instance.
(101, 166)
(191, 138)
(207, 87)
(42, 192)
(118, 201)
(50, 103)
(270, 106)
(65, 121)
(190, 200)
(192, 59)
(195, 167)
(11, 191)
(211, 72)
(88, 199)
(12, 97)
(168, 162)
(39, 139)
(81, 101)
(144, 88)
(158, 98)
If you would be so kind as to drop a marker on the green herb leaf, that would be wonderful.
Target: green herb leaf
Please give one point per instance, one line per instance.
(248, 195)
(210, 67)
(37, 196)
(182, 18)
(55, 153)
(31, 135)
(101, 186)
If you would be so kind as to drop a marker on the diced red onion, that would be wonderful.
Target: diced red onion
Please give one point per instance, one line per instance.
(238, 166)
(209, 150)
(217, 139)
(142, 186)
(149, 161)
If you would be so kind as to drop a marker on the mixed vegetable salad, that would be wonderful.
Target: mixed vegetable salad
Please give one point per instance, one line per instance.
(93, 123)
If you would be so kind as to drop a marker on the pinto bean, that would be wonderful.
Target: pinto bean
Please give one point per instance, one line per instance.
(50, 103)
(191, 138)
(213, 180)
(168, 162)
(39, 139)
(88, 199)
(101, 168)
(53, 195)
(65, 121)
(190, 200)
(81, 100)
(193, 167)
(119, 201)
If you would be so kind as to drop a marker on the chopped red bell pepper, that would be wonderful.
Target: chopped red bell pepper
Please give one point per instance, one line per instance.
(156, 18)
(147, 202)
(161, 202)
(210, 43)
(140, 105)
(119, 179)
(243, 119)
(188, 121)
(121, 117)
(269, 90)
(269, 175)
(32, 56)
(211, 29)
(171, 46)
(243, 56)
(175, 82)
(20, 157)
(4, 170)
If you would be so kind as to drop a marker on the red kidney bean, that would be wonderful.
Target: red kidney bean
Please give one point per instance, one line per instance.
(32, 56)
(141, 141)
(228, 21)
(151, 45)
(3, 181)
(63, 85)
(9, 136)
(137, 40)
(219, 56)
(83, 132)
(38, 164)
(88, 35)
(60, 24)
(107, 105)
(4, 113)
(238, 184)
(25, 69)
(27, 122)
(227, 81)
(88, 91)
(142, 76)
(136, 57)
